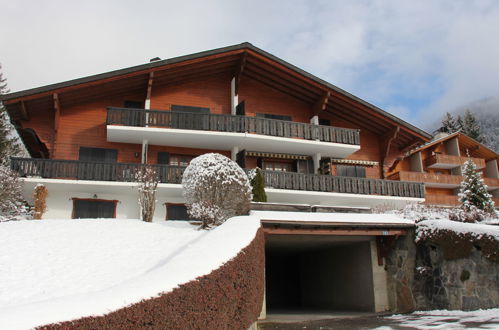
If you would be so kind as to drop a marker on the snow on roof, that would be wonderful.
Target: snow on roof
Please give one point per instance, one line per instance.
(333, 218)
(458, 227)
(59, 270)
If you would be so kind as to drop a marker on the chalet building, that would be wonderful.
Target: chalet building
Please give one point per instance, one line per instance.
(319, 147)
(438, 164)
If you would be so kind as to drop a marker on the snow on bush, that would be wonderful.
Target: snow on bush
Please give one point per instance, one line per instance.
(148, 184)
(215, 188)
(12, 204)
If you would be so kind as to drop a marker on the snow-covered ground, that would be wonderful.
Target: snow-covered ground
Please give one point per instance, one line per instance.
(53, 270)
(445, 319)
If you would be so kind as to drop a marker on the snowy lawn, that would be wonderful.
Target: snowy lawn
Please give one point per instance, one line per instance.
(57, 270)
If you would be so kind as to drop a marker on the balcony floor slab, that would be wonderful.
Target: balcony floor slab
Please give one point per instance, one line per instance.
(226, 141)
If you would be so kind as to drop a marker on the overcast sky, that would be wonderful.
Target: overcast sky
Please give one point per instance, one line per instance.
(416, 59)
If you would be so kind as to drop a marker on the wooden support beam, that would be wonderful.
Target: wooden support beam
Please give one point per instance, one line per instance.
(321, 103)
(24, 111)
(240, 71)
(385, 143)
(336, 232)
(147, 104)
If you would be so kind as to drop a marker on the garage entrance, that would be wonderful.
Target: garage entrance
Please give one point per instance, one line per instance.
(318, 273)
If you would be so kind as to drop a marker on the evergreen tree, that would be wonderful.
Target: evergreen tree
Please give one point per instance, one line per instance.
(473, 192)
(470, 126)
(449, 124)
(258, 185)
(8, 142)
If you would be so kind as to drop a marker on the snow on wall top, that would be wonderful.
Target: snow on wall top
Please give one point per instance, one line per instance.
(476, 229)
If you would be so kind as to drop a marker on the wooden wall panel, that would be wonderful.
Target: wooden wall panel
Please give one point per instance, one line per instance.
(213, 93)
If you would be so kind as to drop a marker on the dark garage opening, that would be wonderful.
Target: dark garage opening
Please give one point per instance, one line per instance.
(318, 273)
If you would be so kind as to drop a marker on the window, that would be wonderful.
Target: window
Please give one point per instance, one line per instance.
(325, 122)
(93, 208)
(88, 154)
(163, 157)
(354, 171)
(176, 212)
(133, 104)
(272, 116)
(282, 166)
(187, 108)
(180, 160)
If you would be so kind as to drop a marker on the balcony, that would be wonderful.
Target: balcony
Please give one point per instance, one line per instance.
(432, 180)
(281, 187)
(93, 171)
(224, 132)
(450, 161)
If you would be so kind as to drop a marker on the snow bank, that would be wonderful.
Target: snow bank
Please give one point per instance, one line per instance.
(428, 226)
(55, 270)
(379, 218)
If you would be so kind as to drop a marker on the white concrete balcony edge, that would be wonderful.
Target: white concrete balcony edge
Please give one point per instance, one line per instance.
(226, 141)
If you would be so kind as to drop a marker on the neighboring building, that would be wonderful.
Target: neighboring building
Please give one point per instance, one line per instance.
(87, 136)
(438, 164)
(318, 145)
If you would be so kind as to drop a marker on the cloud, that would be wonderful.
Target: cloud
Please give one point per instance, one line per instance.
(417, 58)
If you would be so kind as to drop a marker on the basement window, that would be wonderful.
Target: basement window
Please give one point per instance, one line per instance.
(93, 208)
(176, 212)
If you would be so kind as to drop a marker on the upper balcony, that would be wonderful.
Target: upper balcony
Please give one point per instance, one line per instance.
(224, 132)
(450, 161)
(281, 187)
(433, 180)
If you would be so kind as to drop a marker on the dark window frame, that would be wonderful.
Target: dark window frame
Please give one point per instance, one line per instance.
(167, 205)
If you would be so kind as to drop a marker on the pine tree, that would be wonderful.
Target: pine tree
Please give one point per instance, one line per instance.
(470, 126)
(449, 124)
(473, 192)
(9, 145)
(258, 185)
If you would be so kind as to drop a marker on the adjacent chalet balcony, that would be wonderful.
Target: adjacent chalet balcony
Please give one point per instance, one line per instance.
(449, 161)
(439, 180)
(285, 187)
(224, 132)
(448, 200)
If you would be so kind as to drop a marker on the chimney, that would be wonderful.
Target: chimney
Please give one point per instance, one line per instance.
(154, 59)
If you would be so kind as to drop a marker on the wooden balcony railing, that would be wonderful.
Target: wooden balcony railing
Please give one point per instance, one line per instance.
(231, 123)
(75, 169)
(448, 179)
(437, 159)
(340, 184)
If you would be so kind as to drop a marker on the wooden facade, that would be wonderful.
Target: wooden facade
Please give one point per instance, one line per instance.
(273, 98)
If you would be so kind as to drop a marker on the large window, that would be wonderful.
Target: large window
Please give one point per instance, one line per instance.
(93, 208)
(180, 160)
(98, 155)
(354, 171)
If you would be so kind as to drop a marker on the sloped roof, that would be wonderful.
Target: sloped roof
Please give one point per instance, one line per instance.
(156, 66)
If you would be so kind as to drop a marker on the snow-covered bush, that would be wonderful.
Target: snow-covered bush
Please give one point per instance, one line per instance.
(12, 204)
(473, 192)
(148, 184)
(40, 194)
(215, 188)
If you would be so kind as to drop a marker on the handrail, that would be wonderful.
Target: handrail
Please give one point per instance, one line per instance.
(231, 123)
